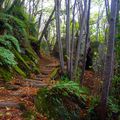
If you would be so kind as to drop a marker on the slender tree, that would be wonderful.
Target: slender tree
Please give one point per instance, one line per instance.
(107, 9)
(86, 42)
(41, 13)
(109, 59)
(58, 33)
(72, 42)
(45, 28)
(68, 34)
(82, 26)
(1, 3)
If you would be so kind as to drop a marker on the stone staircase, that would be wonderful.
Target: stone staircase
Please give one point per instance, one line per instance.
(12, 96)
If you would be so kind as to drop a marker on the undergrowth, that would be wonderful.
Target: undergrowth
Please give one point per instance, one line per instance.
(65, 101)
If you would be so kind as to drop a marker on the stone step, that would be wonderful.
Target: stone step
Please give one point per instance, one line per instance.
(39, 85)
(16, 95)
(52, 65)
(9, 104)
(34, 80)
(39, 79)
(41, 76)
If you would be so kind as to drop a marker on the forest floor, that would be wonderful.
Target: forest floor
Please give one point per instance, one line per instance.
(17, 96)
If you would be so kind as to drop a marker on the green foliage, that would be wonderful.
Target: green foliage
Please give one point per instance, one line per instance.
(7, 57)
(116, 87)
(72, 87)
(15, 30)
(5, 74)
(92, 114)
(117, 51)
(64, 101)
(113, 108)
(54, 73)
(20, 58)
(29, 115)
(18, 70)
(8, 41)
(18, 26)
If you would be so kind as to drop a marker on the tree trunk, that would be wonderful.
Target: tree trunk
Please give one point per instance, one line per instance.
(109, 60)
(68, 35)
(1, 3)
(72, 42)
(58, 34)
(86, 43)
(80, 36)
(45, 28)
(107, 9)
(40, 18)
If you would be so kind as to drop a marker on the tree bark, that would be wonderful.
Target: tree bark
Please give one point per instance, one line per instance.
(58, 34)
(86, 43)
(45, 28)
(107, 9)
(80, 36)
(109, 60)
(68, 35)
(40, 18)
(72, 42)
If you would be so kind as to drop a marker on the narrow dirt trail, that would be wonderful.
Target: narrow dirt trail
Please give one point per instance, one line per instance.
(17, 97)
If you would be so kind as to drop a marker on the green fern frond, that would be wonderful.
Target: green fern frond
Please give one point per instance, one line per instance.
(7, 57)
(9, 40)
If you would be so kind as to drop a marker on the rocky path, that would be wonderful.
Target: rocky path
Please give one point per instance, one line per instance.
(17, 97)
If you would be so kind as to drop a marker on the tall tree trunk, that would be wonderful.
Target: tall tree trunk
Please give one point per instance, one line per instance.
(72, 42)
(45, 28)
(100, 16)
(68, 35)
(58, 34)
(1, 3)
(107, 9)
(86, 42)
(80, 9)
(109, 60)
(80, 36)
(40, 18)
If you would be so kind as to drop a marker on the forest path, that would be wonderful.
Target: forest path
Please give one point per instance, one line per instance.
(17, 97)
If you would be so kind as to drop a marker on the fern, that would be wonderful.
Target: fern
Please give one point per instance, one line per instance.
(19, 31)
(7, 57)
(63, 102)
(9, 28)
(9, 40)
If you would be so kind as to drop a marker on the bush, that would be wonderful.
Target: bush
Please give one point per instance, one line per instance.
(66, 100)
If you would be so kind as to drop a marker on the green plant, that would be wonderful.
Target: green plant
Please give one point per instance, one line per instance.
(64, 101)
(7, 57)
(5, 74)
(113, 108)
(29, 115)
(9, 42)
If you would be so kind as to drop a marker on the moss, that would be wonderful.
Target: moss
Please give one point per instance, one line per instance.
(17, 32)
(29, 115)
(19, 57)
(18, 70)
(5, 74)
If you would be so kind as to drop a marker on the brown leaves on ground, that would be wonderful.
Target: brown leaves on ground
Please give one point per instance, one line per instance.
(93, 82)
(14, 92)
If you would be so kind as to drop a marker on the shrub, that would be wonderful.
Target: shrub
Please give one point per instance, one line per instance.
(66, 100)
